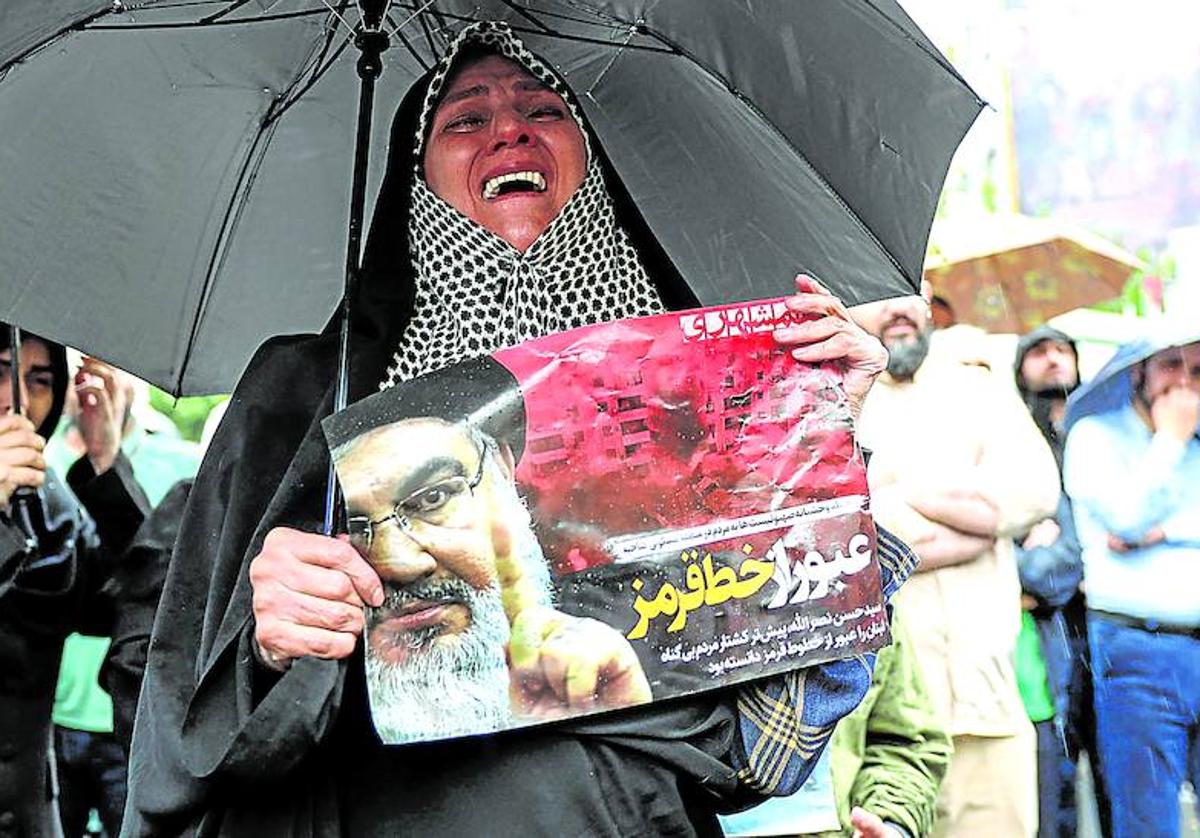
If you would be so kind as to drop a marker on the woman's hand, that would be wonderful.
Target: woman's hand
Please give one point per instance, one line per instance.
(833, 336)
(308, 592)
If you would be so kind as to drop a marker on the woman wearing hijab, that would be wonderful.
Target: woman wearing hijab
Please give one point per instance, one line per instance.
(498, 221)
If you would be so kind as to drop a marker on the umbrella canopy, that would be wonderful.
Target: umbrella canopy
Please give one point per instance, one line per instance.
(1012, 273)
(1111, 388)
(176, 173)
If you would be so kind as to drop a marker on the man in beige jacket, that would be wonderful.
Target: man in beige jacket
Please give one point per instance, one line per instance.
(958, 469)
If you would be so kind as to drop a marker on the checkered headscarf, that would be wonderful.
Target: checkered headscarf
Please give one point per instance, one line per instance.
(475, 293)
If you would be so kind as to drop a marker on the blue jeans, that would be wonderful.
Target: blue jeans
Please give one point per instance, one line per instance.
(91, 774)
(1056, 783)
(1147, 712)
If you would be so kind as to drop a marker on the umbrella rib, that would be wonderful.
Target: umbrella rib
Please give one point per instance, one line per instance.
(583, 39)
(412, 50)
(409, 19)
(528, 15)
(428, 35)
(228, 10)
(192, 24)
(748, 103)
(232, 211)
(248, 173)
(322, 66)
(598, 18)
(338, 14)
(934, 55)
(74, 26)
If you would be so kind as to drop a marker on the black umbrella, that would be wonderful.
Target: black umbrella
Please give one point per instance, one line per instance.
(172, 173)
(175, 171)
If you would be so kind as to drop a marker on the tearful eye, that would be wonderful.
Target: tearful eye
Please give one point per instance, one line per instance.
(464, 123)
(547, 113)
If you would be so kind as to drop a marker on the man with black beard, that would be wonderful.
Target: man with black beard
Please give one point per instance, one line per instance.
(958, 469)
(466, 619)
(1046, 369)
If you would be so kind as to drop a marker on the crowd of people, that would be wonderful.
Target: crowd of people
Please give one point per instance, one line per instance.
(1051, 614)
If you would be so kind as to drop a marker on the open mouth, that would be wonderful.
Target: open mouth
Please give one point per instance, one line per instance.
(529, 182)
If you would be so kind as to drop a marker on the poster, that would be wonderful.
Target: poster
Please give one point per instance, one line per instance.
(605, 517)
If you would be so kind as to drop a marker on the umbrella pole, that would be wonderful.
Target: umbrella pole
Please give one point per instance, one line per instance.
(14, 360)
(21, 504)
(371, 42)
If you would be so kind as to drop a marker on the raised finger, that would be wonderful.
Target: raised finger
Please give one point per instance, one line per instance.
(460, 550)
(572, 668)
(528, 633)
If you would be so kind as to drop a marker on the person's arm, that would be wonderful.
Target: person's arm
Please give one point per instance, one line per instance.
(1052, 571)
(1127, 496)
(907, 748)
(962, 509)
(785, 722)
(941, 546)
(937, 545)
(137, 585)
(113, 498)
(1016, 472)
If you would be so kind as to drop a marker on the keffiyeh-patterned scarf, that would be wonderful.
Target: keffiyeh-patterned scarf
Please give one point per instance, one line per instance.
(476, 293)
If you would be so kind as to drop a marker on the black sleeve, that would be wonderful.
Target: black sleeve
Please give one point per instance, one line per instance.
(118, 506)
(137, 584)
(114, 499)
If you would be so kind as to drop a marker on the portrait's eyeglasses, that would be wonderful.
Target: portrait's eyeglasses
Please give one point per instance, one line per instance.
(439, 504)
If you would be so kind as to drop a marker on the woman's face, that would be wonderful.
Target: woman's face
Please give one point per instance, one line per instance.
(504, 150)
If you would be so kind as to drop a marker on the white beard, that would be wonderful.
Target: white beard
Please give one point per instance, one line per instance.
(452, 687)
(456, 686)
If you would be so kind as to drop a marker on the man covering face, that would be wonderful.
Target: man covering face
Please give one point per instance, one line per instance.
(1167, 378)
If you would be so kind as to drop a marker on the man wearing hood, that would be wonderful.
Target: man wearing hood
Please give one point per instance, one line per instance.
(1133, 473)
(55, 558)
(498, 221)
(1046, 370)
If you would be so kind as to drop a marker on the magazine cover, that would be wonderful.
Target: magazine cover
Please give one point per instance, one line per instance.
(605, 517)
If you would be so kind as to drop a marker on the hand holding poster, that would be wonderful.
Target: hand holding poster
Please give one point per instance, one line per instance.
(604, 517)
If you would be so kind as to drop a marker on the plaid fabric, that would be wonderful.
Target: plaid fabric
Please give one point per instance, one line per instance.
(785, 721)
